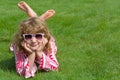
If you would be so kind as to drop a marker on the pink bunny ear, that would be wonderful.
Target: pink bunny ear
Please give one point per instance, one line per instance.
(48, 14)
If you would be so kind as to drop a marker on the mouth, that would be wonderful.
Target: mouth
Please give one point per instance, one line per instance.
(33, 45)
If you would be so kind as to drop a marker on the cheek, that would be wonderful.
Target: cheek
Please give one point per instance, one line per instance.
(28, 42)
(40, 41)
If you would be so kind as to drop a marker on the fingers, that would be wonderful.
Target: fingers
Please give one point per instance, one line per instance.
(26, 46)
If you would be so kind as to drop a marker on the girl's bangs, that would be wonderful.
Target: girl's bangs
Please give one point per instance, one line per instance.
(32, 30)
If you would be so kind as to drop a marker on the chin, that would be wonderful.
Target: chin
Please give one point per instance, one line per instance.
(34, 48)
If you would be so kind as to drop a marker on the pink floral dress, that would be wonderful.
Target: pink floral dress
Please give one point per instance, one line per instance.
(47, 62)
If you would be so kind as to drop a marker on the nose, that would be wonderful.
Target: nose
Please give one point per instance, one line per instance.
(33, 39)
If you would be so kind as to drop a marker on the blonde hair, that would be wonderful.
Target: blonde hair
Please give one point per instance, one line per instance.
(31, 26)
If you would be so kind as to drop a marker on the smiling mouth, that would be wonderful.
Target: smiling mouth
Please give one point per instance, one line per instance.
(33, 45)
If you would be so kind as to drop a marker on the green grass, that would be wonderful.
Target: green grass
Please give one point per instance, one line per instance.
(87, 34)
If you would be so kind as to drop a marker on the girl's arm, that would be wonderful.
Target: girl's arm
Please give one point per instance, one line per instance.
(23, 65)
(49, 62)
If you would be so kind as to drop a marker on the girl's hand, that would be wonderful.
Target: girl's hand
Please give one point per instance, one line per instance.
(39, 51)
(26, 47)
(42, 45)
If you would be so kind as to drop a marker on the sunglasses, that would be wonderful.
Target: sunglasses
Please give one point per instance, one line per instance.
(29, 36)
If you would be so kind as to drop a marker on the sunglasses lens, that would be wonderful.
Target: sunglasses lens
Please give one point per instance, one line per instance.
(27, 37)
(38, 36)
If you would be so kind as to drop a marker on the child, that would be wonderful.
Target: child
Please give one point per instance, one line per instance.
(33, 45)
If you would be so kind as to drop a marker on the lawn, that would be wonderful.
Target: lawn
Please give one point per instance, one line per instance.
(87, 33)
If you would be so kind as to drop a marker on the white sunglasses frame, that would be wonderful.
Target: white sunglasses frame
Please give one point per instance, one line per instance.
(33, 35)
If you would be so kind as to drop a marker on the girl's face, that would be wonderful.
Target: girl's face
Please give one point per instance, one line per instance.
(33, 29)
(33, 41)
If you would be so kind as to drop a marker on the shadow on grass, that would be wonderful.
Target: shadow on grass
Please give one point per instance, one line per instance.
(8, 64)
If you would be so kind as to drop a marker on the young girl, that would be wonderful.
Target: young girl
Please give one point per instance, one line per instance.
(33, 45)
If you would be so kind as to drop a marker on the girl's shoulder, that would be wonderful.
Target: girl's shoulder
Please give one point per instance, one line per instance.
(52, 39)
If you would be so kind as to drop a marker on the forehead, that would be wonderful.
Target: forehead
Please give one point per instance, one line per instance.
(32, 25)
(32, 30)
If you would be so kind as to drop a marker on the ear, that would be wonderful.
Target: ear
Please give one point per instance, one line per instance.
(48, 14)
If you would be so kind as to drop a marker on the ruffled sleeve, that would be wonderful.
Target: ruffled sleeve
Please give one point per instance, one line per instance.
(49, 62)
(23, 66)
